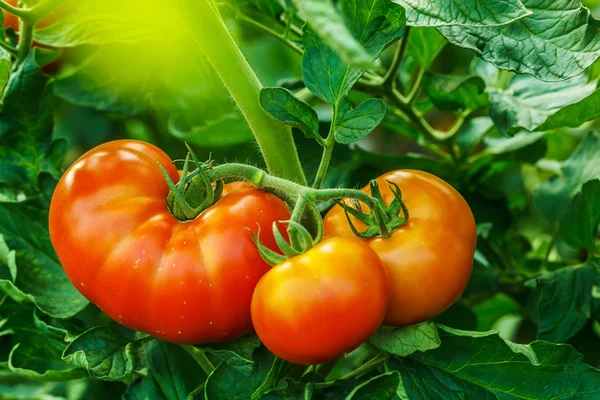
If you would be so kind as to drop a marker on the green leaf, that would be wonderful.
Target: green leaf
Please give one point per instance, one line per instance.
(5, 66)
(474, 13)
(227, 382)
(532, 104)
(558, 41)
(387, 386)
(35, 348)
(407, 340)
(270, 7)
(172, 373)
(282, 105)
(40, 278)
(579, 225)
(425, 44)
(237, 353)
(480, 365)
(502, 144)
(112, 21)
(561, 301)
(326, 21)
(493, 309)
(553, 196)
(375, 23)
(452, 92)
(472, 134)
(352, 125)
(103, 353)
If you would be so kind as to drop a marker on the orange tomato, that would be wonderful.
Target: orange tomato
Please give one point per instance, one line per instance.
(429, 260)
(315, 307)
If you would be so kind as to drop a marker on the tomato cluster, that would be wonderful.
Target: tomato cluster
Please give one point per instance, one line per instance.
(204, 280)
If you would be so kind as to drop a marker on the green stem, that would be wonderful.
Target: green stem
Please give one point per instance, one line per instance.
(390, 78)
(261, 180)
(274, 139)
(328, 146)
(282, 38)
(19, 12)
(25, 39)
(363, 369)
(200, 357)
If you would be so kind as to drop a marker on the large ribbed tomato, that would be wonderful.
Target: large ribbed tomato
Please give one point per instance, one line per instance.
(429, 260)
(315, 307)
(185, 282)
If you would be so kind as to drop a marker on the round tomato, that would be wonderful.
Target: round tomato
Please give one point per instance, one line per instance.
(429, 260)
(315, 307)
(185, 282)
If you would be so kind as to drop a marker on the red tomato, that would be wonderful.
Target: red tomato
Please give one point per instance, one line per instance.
(429, 260)
(315, 307)
(185, 282)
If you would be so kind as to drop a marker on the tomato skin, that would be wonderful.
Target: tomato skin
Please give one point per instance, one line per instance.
(184, 282)
(315, 307)
(430, 259)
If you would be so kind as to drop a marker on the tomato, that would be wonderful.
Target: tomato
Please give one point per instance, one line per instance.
(184, 282)
(315, 307)
(429, 260)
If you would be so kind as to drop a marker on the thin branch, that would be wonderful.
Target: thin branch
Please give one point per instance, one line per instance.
(391, 77)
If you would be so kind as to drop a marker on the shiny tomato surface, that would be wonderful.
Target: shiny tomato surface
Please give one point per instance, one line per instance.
(185, 282)
(430, 259)
(315, 307)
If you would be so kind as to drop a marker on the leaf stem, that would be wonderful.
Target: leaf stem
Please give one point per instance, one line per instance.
(391, 77)
(200, 356)
(363, 369)
(274, 139)
(19, 12)
(282, 38)
(25, 39)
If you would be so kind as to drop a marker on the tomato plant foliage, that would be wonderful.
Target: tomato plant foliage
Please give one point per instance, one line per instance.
(498, 98)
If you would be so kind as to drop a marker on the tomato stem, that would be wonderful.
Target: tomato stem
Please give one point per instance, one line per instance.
(200, 356)
(274, 138)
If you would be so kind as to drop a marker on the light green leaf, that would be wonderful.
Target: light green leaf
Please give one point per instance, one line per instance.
(103, 353)
(481, 365)
(472, 13)
(472, 134)
(502, 144)
(561, 302)
(532, 104)
(407, 340)
(579, 225)
(553, 196)
(375, 24)
(452, 92)
(387, 386)
(558, 41)
(326, 21)
(352, 125)
(282, 105)
(425, 44)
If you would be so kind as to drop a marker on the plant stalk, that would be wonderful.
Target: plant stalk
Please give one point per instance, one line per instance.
(274, 139)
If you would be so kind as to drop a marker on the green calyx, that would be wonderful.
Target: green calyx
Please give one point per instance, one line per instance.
(300, 239)
(194, 193)
(383, 219)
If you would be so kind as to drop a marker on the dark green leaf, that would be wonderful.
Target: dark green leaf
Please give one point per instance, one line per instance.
(561, 301)
(579, 225)
(558, 41)
(425, 44)
(383, 387)
(553, 196)
(281, 104)
(237, 353)
(326, 21)
(227, 382)
(532, 104)
(40, 278)
(352, 125)
(406, 340)
(480, 365)
(474, 13)
(375, 24)
(452, 92)
(472, 134)
(493, 309)
(103, 353)
(172, 373)
(270, 7)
